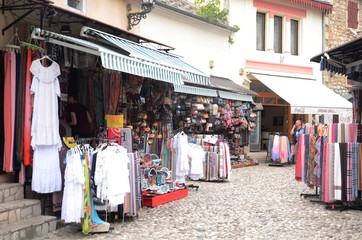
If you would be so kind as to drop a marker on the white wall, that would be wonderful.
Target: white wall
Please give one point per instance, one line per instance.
(200, 42)
(196, 41)
(243, 14)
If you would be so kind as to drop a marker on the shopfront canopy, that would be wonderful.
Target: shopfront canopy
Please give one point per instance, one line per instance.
(112, 59)
(151, 56)
(235, 96)
(306, 96)
(230, 85)
(198, 91)
(345, 59)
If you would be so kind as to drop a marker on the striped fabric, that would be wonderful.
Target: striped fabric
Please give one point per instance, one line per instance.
(235, 96)
(136, 67)
(162, 66)
(159, 62)
(195, 90)
(339, 179)
(299, 175)
(311, 178)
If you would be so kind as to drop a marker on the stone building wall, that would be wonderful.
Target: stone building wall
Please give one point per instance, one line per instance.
(336, 33)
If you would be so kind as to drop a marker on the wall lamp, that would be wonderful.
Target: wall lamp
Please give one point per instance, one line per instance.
(135, 18)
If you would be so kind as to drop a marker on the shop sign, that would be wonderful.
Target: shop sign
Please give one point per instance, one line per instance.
(306, 110)
(123, 137)
(114, 121)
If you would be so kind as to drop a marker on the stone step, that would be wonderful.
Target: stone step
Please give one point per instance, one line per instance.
(11, 192)
(7, 178)
(28, 229)
(15, 211)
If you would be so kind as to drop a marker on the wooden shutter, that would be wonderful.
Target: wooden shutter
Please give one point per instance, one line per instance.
(352, 15)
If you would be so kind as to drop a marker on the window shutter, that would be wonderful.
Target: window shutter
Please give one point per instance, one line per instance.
(352, 15)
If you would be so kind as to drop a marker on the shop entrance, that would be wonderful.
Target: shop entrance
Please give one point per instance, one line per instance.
(273, 119)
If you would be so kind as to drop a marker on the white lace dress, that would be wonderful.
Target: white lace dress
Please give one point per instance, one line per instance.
(46, 90)
(45, 140)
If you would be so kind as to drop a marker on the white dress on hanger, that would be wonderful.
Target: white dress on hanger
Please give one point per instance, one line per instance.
(45, 139)
(46, 90)
(197, 157)
(72, 204)
(182, 161)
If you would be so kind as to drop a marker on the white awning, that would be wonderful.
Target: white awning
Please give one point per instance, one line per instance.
(195, 90)
(149, 55)
(113, 60)
(235, 96)
(306, 96)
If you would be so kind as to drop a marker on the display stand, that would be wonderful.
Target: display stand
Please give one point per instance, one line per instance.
(150, 200)
(309, 195)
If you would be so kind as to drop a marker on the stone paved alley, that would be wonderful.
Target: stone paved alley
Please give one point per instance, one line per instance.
(259, 202)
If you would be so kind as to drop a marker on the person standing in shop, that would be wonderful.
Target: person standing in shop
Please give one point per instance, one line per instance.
(78, 118)
(296, 130)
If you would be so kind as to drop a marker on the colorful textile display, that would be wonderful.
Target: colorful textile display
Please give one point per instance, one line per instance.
(280, 149)
(340, 172)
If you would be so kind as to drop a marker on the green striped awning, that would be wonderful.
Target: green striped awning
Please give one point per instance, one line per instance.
(113, 60)
(152, 56)
(195, 90)
(235, 96)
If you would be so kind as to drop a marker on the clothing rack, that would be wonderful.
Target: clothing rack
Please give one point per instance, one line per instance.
(270, 147)
(316, 194)
(100, 139)
(178, 130)
(172, 134)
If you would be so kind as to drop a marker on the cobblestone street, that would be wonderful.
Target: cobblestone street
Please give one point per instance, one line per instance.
(259, 202)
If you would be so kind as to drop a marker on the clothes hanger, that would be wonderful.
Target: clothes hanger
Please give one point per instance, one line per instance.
(46, 57)
(14, 43)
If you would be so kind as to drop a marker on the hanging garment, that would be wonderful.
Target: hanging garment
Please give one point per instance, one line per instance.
(180, 147)
(73, 188)
(112, 167)
(275, 148)
(300, 152)
(9, 109)
(20, 106)
(46, 170)
(45, 139)
(196, 156)
(46, 90)
(27, 113)
(2, 79)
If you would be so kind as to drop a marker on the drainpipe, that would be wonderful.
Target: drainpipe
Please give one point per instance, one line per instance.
(323, 39)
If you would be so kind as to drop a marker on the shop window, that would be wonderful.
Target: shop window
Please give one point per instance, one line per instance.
(278, 34)
(294, 34)
(268, 100)
(260, 31)
(77, 4)
(352, 14)
(281, 101)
